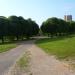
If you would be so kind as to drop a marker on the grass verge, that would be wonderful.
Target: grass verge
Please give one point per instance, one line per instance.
(6, 47)
(62, 48)
(24, 61)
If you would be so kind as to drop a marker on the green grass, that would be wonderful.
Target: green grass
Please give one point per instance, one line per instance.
(62, 48)
(23, 62)
(6, 47)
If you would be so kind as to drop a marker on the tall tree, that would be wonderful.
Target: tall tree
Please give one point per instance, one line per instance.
(3, 27)
(50, 26)
(14, 26)
(71, 27)
(32, 28)
(62, 27)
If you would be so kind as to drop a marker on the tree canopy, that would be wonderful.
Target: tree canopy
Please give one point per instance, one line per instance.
(17, 27)
(55, 26)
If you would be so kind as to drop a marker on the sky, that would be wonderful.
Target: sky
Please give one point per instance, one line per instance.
(38, 10)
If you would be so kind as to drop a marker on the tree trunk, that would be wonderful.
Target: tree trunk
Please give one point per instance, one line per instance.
(17, 38)
(48, 34)
(2, 39)
(27, 37)
(22, 38)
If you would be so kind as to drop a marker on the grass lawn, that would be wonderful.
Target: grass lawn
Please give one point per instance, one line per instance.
(6, 47)
(62, 48)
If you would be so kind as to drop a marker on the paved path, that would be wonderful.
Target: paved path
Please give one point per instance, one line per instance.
(43, 64)
(7, 59)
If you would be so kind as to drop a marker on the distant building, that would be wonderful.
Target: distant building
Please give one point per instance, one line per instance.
(68, 18)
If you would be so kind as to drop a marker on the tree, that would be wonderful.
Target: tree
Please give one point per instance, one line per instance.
(32, 28)
(23, 26)
(3, 27)
(71, 27)
(55, 26)
(27, 27)
(62, 27)
(50, 26)
(14, 26)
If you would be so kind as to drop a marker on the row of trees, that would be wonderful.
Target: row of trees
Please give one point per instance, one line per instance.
(15, 27)
(55, 26)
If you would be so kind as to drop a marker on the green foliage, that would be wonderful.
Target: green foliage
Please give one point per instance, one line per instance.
(17, 27)
(56, 26)
(24, 61)
(62, 48)
(6, 47)
(33, 27)
(3, 27)
(62, 26)
(71, 27)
